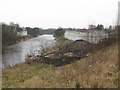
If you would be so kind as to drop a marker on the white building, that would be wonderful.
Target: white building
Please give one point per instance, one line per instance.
(93, 36)
(23, 32)
(74, 35)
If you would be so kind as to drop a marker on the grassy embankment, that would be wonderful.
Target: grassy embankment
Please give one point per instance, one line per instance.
(99, 70)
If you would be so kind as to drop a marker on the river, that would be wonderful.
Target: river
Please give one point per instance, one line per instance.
(18, 53)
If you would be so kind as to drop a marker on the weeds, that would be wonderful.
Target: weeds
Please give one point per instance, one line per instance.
(78, 85)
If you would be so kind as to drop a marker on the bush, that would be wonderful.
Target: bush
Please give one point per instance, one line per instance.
(59, 33)
(78, 85)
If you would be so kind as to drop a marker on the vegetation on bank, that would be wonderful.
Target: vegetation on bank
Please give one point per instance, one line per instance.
(60, 42)
(22, 72)
(98, 70)
(10, 36)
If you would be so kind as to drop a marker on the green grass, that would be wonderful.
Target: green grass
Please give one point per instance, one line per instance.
(22, 72)
(13, 77)
(61, 42)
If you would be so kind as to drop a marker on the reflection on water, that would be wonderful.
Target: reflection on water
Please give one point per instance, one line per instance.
(19, 52)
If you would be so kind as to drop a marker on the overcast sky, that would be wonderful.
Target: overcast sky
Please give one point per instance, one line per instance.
(55, 13)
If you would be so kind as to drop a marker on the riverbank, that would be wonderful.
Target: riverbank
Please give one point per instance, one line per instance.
(18, 53)
(98, 70)
(19, 39)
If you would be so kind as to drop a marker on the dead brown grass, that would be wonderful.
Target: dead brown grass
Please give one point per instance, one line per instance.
(99, 70)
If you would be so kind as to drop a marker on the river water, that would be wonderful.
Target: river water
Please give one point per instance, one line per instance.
(18, 53)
